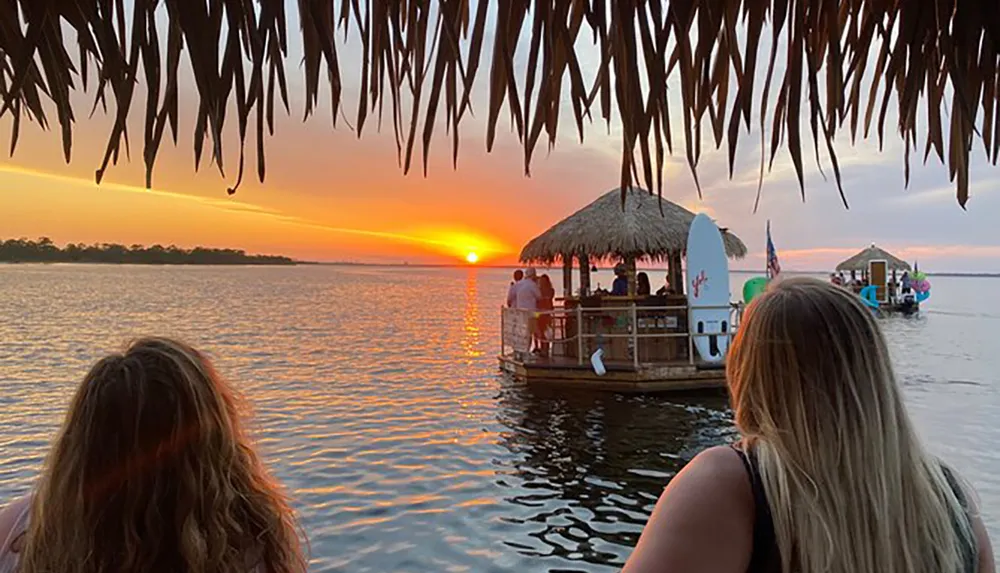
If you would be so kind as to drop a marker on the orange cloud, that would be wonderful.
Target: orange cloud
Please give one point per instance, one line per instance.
(814, 253)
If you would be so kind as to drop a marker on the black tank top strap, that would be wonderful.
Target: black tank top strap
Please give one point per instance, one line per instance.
(764, 557)
(970, 550)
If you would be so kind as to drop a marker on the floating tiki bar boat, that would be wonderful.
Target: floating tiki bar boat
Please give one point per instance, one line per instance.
(875, 277)
(645, 340)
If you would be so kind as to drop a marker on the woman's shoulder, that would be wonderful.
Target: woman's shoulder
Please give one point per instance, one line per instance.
(710, 499)
(716, 475)
(719, 466)
(13, 521)
(12, 514)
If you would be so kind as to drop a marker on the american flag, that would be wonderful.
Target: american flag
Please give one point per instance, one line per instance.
(773, 267)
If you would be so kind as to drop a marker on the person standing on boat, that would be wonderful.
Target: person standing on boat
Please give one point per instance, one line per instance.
(620, 286)
(666, 289)
(642, 287)
(830, 474)
(904, 283)
(526, 291)
(545, 306)
(518, 277)
(526, 295)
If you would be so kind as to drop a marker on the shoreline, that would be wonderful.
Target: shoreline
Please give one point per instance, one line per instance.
(514, 267)
(164, 264)
(294, 263)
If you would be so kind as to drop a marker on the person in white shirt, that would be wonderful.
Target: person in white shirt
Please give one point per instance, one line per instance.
(518, 277)
(526, 292)
(527, 295)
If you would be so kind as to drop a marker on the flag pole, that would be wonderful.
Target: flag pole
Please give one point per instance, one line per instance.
(767, 252)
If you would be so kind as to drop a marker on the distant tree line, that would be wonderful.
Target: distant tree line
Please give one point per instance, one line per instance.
(45, 251)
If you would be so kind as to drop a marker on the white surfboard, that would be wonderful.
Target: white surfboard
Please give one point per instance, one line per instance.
(708, 286)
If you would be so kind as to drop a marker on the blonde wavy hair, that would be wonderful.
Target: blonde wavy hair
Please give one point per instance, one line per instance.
(152, 472)
(849, 485)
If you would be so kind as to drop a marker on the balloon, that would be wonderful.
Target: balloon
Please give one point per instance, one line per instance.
(753, 287)
(920, 285)
(919, 282)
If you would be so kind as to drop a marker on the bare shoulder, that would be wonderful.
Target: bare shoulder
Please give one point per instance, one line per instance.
(13, 509)
(9, 516)
(703, 521)
(715, 480)
(721, 464)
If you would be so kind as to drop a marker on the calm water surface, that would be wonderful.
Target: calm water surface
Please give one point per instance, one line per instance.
(377, 402)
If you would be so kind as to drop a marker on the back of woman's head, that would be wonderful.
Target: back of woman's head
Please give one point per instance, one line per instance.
(809, 363)
(848, 482)
(152, 472)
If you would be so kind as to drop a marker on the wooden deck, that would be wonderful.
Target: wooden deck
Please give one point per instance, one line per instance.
(620, 377)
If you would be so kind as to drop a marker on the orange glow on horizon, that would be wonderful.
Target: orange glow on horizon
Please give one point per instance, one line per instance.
(471, 246)
(194, 219)
(314, 206)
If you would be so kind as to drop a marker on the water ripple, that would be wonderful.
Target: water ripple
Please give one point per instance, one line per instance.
(376, 400)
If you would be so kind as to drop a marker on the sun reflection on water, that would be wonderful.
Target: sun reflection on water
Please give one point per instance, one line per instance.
(470, 341)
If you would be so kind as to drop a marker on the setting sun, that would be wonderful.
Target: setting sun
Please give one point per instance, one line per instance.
(472, 258)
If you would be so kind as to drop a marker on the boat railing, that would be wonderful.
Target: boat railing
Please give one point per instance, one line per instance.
(567, 328)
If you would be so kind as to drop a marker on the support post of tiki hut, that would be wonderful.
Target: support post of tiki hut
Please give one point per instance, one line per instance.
(675, 273)
(584, 274)
(646, 342)
(567, 261)
(630, 274)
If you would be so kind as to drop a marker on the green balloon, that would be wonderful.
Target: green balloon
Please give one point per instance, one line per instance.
(753, 287)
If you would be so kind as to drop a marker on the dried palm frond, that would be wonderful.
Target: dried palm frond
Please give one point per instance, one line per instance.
(418, 53)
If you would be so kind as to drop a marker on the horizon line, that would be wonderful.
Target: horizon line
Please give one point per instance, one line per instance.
(515, 267)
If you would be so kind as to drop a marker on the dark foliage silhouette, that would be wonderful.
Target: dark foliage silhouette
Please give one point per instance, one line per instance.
(45, 251)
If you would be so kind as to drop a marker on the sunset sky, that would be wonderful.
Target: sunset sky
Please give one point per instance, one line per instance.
(332, 197)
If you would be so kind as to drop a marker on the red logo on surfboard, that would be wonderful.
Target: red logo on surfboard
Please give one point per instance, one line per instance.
(696, 284)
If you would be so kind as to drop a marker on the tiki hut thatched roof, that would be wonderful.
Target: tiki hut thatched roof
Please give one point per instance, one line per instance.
(605, 229)
(859, 262)
(839, 62)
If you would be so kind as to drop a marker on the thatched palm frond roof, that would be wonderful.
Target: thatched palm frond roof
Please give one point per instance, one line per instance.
(859, 262)
(607, 228)
(842, 61)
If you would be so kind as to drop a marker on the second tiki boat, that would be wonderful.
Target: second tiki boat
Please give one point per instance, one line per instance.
(644, 336)
(884, 281)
